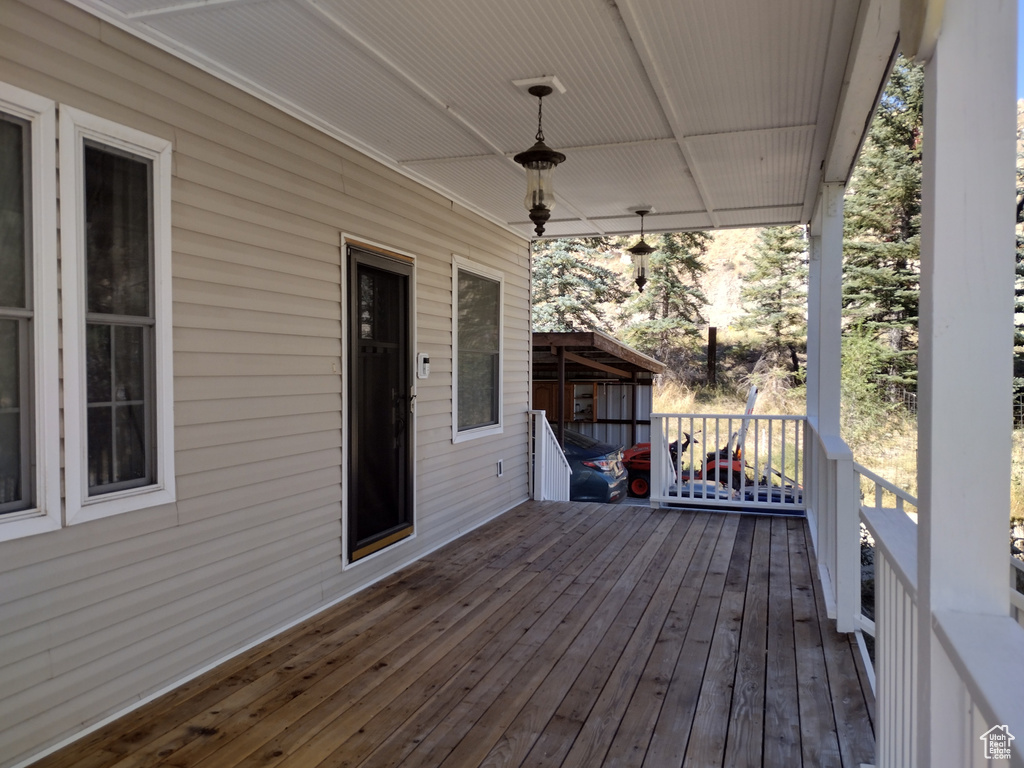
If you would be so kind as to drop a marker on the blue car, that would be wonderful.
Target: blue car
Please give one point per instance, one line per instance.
(597, 470)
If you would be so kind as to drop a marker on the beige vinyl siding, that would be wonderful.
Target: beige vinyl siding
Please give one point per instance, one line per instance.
(97, 616)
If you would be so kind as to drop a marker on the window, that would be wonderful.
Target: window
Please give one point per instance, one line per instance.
(29, 432)
(16, 422)
(115, 193)
(476, 340)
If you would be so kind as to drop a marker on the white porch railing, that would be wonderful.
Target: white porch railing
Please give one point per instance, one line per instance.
(549, 470)
(835, 527)
(976, 653)
(884, 510)
(736, 462)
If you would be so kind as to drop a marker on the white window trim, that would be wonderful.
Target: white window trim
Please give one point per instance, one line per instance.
(40, 113)
(75, 127)
(460, 263)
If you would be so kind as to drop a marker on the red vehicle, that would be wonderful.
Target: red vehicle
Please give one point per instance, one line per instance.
(720, 465)
(717, 466)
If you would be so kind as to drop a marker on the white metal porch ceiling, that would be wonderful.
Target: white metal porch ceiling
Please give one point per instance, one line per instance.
(718, 113)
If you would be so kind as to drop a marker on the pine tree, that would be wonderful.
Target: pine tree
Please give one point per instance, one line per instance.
(570, 285)
(1018, 287)
(881, 265)
(774, 293)
(660, 320)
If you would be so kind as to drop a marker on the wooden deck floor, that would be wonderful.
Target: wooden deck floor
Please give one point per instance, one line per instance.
(558, 635)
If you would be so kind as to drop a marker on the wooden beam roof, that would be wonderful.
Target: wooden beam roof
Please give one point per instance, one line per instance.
(591, 352)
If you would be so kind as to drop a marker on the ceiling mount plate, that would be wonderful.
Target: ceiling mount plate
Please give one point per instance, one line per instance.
(549, 80)
(647, 209)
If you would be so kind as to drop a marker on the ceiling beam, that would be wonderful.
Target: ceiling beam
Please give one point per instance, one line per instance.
(135, 24)
(402, 75)
(582, 148)
(177, 8)
(595, 365)
(581, 340)
(427, 95)
(631, 22)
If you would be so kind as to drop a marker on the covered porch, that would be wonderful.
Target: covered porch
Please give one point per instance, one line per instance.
(553, 634)
(559, 634)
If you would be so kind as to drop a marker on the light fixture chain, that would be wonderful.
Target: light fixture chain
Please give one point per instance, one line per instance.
(540, 119)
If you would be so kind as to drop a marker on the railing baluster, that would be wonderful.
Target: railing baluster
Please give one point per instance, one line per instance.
(758, 473)
(782, 460)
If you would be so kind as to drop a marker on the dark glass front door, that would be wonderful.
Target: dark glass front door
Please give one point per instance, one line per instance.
(380, 418)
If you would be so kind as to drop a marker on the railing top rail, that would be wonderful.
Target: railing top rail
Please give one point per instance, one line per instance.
(895, 490)
(834, 446)
(982, 648)
(735, 416)
(897, 537)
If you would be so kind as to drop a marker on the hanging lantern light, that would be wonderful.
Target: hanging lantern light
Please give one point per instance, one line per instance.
(641, 254)
(539, 162)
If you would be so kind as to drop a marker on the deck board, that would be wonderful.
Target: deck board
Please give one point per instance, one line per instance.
(744, 745)
(818, 736)
(557, 635)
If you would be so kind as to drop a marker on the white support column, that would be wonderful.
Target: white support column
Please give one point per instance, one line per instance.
(830, 309)
(814, 315)
(837, 524)
(814, 490)
(966, 326)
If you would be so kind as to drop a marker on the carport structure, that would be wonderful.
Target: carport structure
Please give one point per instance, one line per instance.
(591, 356)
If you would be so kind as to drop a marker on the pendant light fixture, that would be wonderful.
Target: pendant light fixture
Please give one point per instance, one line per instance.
(539, 162)
(641, 253)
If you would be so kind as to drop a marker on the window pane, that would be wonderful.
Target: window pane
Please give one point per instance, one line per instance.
(376, 297)
(478, 389)
(117, 374)
(365, 306)
(97, 363)
(12, 448)
(130, 426)
(479, 343)
(10, 370)
(13, 239)
(101, 447)
(10, 458)
(129, 363)
(118, 239)
(478, 313)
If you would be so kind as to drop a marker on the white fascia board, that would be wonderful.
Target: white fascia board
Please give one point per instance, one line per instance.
(867, 71)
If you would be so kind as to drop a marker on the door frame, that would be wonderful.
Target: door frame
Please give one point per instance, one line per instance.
(409, 260)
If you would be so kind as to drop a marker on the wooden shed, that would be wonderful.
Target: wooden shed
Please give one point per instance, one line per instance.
(596, 384)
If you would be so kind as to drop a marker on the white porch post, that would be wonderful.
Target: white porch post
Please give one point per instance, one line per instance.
(837, 523)
(813, 461)
(830, 308)
(966, 325)
(814, 317)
